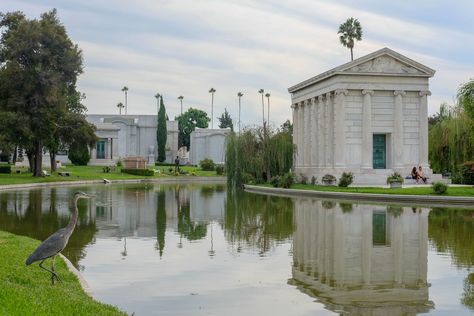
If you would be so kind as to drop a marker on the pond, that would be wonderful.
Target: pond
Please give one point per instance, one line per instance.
(176, 249)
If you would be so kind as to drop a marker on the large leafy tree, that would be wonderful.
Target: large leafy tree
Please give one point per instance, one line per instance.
(39, 102)
(466, 97)
(161, 132)
(225, 121)
(188, 121)
(350, 31)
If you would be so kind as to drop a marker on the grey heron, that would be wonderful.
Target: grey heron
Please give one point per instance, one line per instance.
(55, 243)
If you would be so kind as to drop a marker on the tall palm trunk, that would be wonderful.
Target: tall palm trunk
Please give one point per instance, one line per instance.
(352, 55)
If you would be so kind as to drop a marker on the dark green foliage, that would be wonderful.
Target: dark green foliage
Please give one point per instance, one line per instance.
(79, 154)
(313, 180)
(394, 177)
(207, 164)
(346, 207)
(466, 97)
(328, 204)
(225, 121)
(395, 210)
(139, 172)
(439, 188)
(220, 169)
(287, 180)
(275, 181)
(161, 132)
(106, 169)
(346, 179)
(303, 179)
(468, 172)
(5, 169)
(187, 122)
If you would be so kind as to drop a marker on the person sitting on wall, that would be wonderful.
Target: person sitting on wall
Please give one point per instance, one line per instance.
(415, 175)
(421, 174)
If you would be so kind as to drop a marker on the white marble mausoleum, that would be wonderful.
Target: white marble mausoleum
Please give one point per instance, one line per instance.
(368, 116)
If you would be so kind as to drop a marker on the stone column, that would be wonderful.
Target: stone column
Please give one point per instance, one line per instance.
(397, 139)
(307, 134)
(367, 137)
(339, 130)
(329, 131)
(314, 133)
(423, 149)
(321, 131)
(301, 135)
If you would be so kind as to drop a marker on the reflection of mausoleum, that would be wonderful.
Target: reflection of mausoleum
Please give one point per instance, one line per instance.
(362, 259)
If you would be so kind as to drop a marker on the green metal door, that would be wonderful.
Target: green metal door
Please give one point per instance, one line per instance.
(100, 147)
(379, 228)
(379, 151)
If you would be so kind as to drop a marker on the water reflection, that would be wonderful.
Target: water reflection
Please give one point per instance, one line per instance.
(362, 259)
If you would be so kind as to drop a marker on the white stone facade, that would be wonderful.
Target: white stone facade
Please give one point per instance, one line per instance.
(130, 135)
(208, 143)
(337, 113)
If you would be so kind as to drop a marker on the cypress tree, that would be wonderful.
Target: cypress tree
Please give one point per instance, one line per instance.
(161, 132)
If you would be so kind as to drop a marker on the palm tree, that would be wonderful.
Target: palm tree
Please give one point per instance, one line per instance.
(125, 89)
(268, 111)
(240, 95)
(157, 96)
(120, 107)
(180, 98)
(211, 91)
(261, 91)
(350, 30)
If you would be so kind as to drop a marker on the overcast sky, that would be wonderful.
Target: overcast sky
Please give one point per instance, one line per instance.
(185, 47)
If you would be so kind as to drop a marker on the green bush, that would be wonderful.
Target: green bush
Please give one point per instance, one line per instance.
(457, 177)
(119, 163)
(5, 169)
(468, 172)
(439, 188)
(247, 178)
(287, 180)
(164, 164)
(139, 172)
(79, 154)
(394, 177)
(346, 179)
(220, 169)
(207, 164)
(275, 181)
(313, 180)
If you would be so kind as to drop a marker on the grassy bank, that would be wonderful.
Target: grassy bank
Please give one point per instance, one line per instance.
(27, 290)
(91, 173)
(421, 190)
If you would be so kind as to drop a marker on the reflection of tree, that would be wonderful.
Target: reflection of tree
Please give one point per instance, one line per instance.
(36, 224)
(258, 220)
(452, 230)
(161, 221)
(187, 228)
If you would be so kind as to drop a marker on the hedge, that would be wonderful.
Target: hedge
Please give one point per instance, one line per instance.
(139, 172)
(5, 169)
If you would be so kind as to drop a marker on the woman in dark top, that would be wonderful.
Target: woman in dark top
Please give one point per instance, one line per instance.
(414, 174)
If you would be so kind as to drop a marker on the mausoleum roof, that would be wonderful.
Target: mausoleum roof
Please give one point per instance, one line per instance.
(384, 62)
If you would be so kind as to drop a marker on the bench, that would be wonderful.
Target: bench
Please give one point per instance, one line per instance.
(64, 173)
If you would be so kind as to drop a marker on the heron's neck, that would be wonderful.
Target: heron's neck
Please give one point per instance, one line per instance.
(73, 220)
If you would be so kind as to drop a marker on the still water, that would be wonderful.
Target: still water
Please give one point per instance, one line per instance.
(199, 250)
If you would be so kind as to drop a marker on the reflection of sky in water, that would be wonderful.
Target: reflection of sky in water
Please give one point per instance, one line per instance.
(250, 254)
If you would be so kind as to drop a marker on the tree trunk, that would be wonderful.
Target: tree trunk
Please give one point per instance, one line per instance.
(15, 155)
(38, 160)
(52, 157)
(31, 156)
(352, 55)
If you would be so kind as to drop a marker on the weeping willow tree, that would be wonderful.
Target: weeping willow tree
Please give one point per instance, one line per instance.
(255, 154)
(451, 137)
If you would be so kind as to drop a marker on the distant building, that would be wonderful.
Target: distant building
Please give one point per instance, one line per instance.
(368, 116)
(123, 136)
(208, 143)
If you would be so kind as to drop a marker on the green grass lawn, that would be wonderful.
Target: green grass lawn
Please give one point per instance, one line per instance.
(421, 190)
(27, 290)
(92, 173)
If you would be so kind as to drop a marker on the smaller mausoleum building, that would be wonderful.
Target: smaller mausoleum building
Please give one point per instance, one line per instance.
(368, 116)
(208, 143)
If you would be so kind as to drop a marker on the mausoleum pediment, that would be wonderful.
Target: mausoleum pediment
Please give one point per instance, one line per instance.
(384, 64)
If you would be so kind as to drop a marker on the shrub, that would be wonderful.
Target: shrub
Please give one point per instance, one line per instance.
(170, 170)
(313, 180)
(119, 163)
(328, 179)
(303, 179)
(207, 164)
(346, 179)
(139, 172)
(394, 177)
(220, 169)
(164, 164)
(79, 154)
(247, 178)
(106, 169)
(439, 188)
(275, 181)
(287, 180)
(468, 172)
(457, 178)
(5, 168)
(346, 207)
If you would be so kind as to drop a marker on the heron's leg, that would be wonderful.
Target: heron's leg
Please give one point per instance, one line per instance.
(52, 272)
(52, 268)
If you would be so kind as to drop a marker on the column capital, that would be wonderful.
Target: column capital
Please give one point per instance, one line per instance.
(341, 92)
(307, 102)
(399, 92)
(314, 100)
(320, 98)
(328, 95)
(369, 92)
(293, 106)
(424, 92)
